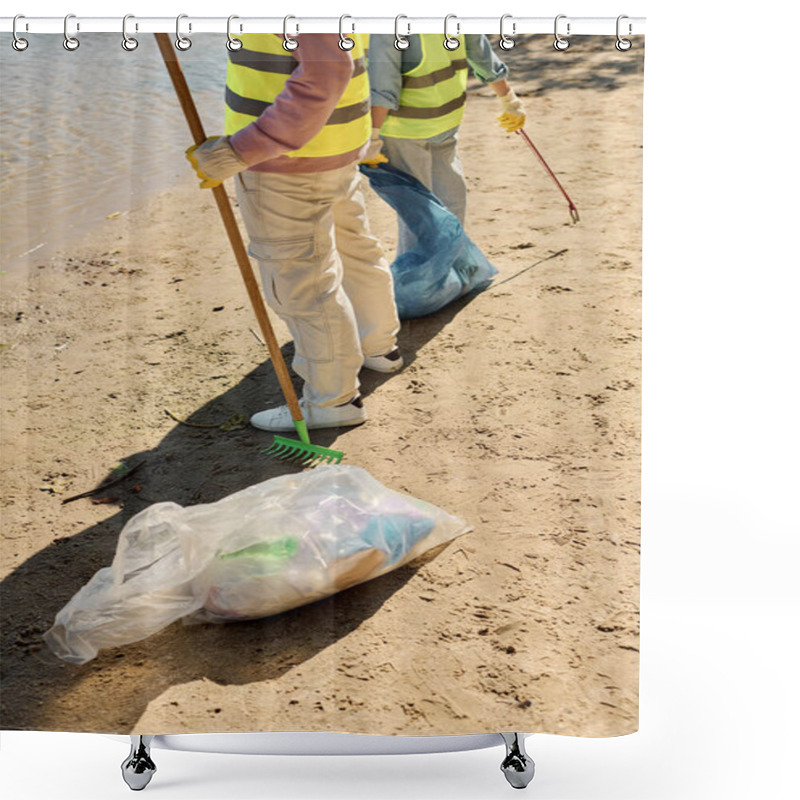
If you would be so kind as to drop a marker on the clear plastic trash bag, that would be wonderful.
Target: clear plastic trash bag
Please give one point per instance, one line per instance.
(445, 263)
(266, 549)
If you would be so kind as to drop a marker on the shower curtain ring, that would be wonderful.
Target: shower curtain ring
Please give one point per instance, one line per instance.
(345, 42)
(233, 44)
(560, 43)
(18, 43)
(129, 43)
(450, 42)
(182, 42)
(400, 42)
(623, 44)
(289, 43)
(70, 42)
(507, 42)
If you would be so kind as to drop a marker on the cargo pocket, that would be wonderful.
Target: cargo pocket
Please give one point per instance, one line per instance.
(292, 283)
(289, 249)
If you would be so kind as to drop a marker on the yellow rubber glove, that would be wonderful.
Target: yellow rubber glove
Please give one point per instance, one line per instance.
(214, 160)
(513, 116)
(205, 181)
(373, 156)
(373, 162)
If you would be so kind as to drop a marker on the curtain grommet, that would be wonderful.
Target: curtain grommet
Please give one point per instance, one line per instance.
(560, 43)
(507, 42)
(450, 42)
(70, 43)
(623, 45)
(182, 42)
(345, 42)
(128, 43)
(233, 44)
(401, 42)
(18, 43)
(289, 43)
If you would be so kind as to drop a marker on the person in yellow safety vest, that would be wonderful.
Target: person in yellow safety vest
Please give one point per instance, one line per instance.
(296, 125)
(418, 97)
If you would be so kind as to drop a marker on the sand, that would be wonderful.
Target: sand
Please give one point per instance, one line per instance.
(518, 410)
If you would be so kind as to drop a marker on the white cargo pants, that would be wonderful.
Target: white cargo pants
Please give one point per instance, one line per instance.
(323, 274)
(436, 165)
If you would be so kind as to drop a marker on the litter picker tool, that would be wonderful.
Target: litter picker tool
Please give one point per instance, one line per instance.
(573, 212)
(287, 449)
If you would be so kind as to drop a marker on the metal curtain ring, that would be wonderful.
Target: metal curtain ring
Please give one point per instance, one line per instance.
(18, 43)
(233, 44)
(70, 42)
(450, 42)
(344, 42)
(400, 42)
(559, 42)
(506, 42)
(128, 42)
(623, 44)
(289, 43)
(182, 42)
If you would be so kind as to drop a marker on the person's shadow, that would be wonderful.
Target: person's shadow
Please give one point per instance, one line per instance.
(189, 465)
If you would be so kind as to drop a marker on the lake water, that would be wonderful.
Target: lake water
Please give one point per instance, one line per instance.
(89, 133)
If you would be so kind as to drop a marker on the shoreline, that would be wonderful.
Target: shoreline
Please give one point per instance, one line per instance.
(86, 225)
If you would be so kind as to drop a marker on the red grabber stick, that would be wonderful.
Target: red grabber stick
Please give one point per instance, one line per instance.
(573, 212)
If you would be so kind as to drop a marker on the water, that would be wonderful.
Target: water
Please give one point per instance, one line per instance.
(89, 133)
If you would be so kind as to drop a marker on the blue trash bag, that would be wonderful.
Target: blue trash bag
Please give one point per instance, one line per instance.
(445, 263)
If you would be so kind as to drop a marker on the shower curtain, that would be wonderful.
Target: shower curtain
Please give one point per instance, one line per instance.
(131, 363)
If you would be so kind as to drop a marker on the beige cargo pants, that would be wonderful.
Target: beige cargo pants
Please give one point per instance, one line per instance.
(323, 274)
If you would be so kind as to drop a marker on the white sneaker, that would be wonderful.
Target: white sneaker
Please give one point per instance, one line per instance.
(391, 362)
(280, 419)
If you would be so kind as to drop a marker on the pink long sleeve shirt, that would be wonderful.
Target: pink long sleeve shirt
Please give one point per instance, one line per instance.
(300, 111)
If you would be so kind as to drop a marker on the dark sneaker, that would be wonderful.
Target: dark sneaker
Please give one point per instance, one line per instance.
(391, 362)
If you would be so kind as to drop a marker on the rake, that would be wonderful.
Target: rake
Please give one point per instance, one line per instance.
(285, 449)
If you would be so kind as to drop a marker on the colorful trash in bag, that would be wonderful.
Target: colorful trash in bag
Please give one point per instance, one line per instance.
(269, 548)
(445, 263)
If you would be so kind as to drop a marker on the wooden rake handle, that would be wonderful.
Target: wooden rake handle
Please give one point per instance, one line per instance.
(231, 227)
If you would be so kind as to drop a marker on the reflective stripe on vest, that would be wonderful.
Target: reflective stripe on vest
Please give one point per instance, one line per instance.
(257, 74)
(433, 93)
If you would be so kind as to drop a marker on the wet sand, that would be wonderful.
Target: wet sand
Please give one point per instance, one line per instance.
(518, 410)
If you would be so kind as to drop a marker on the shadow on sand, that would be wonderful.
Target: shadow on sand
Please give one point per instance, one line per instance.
(188, 466)
(590, 64)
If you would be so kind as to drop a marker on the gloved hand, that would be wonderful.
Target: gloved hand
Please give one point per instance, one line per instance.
(513, 116)
(373, 155)
(214, 160)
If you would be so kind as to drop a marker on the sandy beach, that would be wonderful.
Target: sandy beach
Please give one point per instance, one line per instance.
(518, 410)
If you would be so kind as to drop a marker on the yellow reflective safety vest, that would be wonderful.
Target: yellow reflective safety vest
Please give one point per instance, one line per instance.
(433, 93)
(257, 73)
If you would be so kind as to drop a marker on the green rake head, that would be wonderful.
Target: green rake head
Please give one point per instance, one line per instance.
(307, 455)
